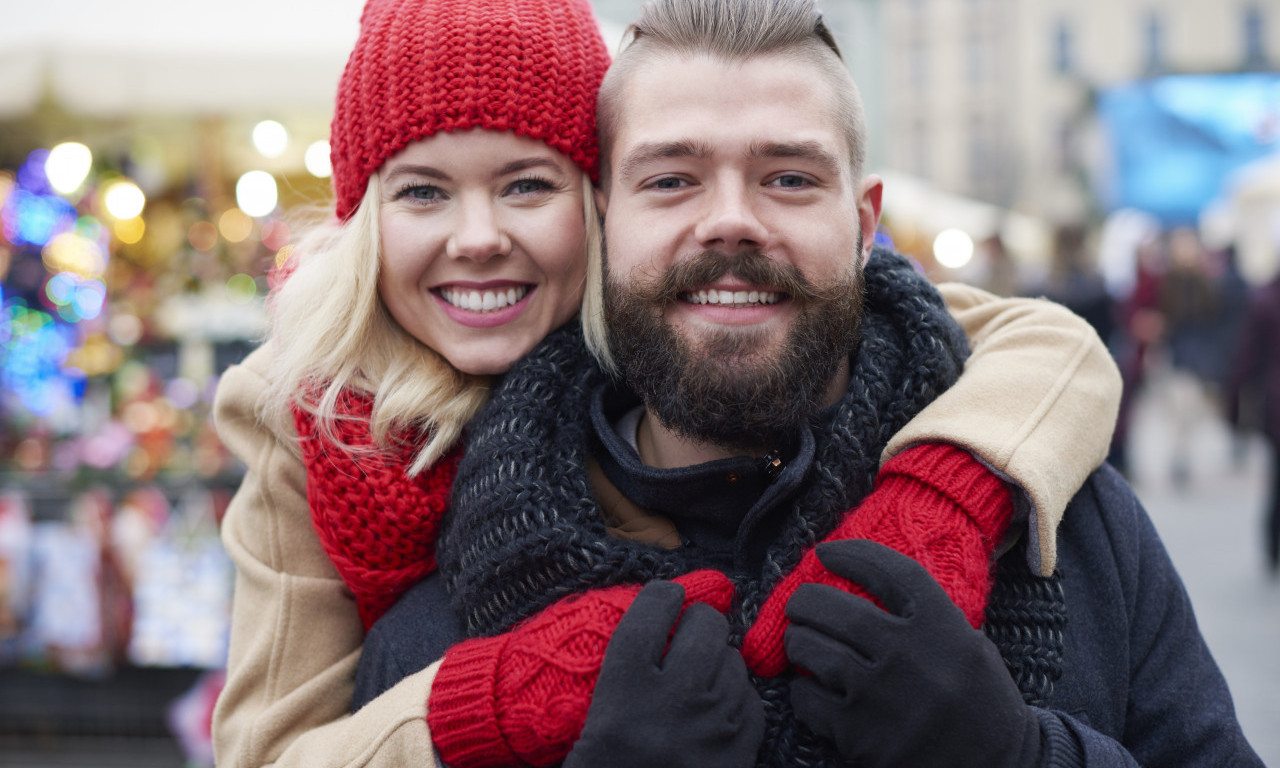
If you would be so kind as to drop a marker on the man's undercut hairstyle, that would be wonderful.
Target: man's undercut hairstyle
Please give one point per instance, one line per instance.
(733, 31)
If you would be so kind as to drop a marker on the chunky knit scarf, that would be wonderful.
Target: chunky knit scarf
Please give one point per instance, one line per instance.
(524, 530)
(377, 524)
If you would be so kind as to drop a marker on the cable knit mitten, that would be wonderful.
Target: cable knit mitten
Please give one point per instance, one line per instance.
(521, 698)
(934, 503)
(377, 524)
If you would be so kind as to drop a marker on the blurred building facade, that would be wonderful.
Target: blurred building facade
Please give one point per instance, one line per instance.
(994, 99)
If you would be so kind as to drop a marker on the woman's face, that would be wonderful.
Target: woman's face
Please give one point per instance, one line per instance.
(483, 245)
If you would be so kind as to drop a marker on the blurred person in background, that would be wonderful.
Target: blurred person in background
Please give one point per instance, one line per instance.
(1075, 282)
(1255, 370)
(463, 231)
(1190, 303)
(1139, 327)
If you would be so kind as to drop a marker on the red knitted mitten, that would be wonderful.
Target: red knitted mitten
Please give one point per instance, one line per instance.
(935, 503)
(521, 698)
(377, 524)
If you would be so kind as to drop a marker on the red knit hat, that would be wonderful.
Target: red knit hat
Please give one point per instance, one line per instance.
(421, 67)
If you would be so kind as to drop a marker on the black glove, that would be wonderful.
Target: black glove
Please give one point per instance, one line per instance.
(686, 704)
(910, 684)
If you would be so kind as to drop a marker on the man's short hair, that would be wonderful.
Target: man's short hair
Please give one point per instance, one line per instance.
(734, 31)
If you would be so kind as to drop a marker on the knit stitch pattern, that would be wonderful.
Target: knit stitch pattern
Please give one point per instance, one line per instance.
(378, 525)
(934, 503)
(522, 697)
(421, 67)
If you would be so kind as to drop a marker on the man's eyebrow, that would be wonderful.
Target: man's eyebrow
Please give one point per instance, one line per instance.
(812, 151)
(658, 150)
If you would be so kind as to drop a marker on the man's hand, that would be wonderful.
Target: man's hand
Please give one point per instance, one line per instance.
(524, 696)
(907, 684)
(686, 701)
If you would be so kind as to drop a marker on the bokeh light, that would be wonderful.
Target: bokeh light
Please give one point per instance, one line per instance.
(31, 218)
(203, 236)
(256, 193)
(275, 235)
(73, 252)
(317, 160)
(130, 231)
(181, 393)
(270, 138)
(124, 329)
(35, 348)
(953, 248)
(235, 225)
(241, 289)
(31, 174)
(68, 165)
(123, 199)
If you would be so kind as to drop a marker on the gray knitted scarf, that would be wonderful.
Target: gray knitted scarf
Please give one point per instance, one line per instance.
(524, 530)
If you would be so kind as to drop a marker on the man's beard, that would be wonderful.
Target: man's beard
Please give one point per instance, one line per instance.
(731, 387)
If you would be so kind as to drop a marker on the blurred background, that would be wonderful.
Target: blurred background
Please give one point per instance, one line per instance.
(1119, 156)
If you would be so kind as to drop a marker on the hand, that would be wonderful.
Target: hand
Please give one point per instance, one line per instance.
(933, 502)
(522, 697)
(907, 684)
(688, 702)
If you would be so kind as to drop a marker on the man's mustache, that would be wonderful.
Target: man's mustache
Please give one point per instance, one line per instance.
(749, 265)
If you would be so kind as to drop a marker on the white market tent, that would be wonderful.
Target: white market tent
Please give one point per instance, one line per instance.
(113, 58)
(109, 58)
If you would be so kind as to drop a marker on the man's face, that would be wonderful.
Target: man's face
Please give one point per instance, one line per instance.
(734, 229)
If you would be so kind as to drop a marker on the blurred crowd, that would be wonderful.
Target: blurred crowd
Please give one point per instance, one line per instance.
(1186, 329)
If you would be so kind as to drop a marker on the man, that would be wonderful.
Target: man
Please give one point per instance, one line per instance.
(766, 356)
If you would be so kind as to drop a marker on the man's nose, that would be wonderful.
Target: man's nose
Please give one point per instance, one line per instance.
(478, 233)
(730, 220)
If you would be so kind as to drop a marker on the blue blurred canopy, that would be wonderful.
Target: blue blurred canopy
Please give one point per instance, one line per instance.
(1176, 139)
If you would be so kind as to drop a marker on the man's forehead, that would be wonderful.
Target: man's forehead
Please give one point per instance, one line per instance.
(693, 105)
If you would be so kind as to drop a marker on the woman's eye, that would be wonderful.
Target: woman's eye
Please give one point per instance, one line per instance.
(424, 192)
(529, 186)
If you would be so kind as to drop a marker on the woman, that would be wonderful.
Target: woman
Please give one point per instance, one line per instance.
(463, 138)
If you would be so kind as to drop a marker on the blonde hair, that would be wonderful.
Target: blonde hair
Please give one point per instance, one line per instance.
(330, 332)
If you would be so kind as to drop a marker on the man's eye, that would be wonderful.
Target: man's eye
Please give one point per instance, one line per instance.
(668, 182)
(790, 181)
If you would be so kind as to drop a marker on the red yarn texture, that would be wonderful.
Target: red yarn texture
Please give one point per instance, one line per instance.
(521, 698)
(934, 503)
(377, 524)
(421, 67)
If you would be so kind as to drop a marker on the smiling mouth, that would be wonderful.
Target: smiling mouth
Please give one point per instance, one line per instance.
(483, 301)
(733, 298)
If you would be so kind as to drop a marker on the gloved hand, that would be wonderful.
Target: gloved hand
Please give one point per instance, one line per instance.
(522, 697)
(689, 703)
(907, 684)
(934, 503)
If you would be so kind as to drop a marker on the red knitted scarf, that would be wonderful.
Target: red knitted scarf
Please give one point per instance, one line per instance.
(378, 525)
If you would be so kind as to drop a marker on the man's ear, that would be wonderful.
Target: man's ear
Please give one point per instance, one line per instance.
(602, 199)
(870, 196)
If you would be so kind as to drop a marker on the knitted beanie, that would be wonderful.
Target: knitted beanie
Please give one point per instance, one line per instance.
(420, 67)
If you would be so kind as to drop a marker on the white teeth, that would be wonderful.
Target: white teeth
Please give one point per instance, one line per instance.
(732, 298)
(483, 301)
